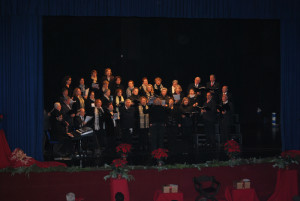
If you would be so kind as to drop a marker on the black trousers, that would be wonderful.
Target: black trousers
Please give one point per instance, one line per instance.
(210, 131)
(172, 132)
(127, 135)
(225, 129)
(144, 138)
(101, 137)
(157, 132)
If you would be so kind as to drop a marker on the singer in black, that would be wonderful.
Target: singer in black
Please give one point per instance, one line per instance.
(158, 116)
(209, 116)
(225, 111)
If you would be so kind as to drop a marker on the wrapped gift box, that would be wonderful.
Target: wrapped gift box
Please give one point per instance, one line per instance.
(166, 189)
(174, 188)
(170, 188)
(242, 184)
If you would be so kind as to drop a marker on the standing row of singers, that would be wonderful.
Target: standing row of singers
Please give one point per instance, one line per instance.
(148, 111)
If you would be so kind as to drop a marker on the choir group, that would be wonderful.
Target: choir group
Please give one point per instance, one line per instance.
(150, 112)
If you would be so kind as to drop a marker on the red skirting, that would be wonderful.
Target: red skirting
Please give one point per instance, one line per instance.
(92, 187)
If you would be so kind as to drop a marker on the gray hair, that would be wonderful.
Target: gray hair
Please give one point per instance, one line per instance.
(70, 196)
(56, 105)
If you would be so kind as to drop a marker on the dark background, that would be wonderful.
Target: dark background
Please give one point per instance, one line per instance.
(244, 54)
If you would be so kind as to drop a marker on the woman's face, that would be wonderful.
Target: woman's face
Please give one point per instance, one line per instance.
(192, 92)
(94, 74)
(145, 82)
(118, 81)
(65, 93)
(110, 107)
(78, 92)
(107, 93)
(164, 92)
(157, 82)
(92, 95)
(135, 92)
(69, 81)
(171, 102)
(81, 82)
(149, 88)
(130, 84)
(108, 73)
(119, 93)
(186, 102)
(177, 91)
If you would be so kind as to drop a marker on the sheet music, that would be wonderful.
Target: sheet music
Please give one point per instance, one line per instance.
(88, 118)
(176, 97)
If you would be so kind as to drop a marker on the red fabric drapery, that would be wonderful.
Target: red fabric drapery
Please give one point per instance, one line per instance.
(4, 151)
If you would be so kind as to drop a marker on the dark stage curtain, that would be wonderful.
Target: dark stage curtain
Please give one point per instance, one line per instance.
(22, 82)
(21, 53)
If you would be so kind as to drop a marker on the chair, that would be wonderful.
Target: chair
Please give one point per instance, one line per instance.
(207, 187)
(53, 143)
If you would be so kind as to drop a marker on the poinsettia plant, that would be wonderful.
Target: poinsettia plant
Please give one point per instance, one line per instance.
(287, 158)
(160, 153)
(232, 149)
(119, 170)
(123, 149)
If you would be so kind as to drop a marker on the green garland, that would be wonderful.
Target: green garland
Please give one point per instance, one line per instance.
(215, 163)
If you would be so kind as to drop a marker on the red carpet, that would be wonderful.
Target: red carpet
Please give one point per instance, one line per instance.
(92, 187)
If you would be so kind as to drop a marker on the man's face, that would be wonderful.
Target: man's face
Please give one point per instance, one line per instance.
(67, 102)
(59, 107)
(65, 93)
(224, 98)
(143, 101)
(127, 104)
(197, 80)
(118, 81)
(108, 72)
(208, 96)
(212, 78)
(98, 104)
(92, 95)
(107, 93)
(82, 112)
(224, 89)
(81, 81)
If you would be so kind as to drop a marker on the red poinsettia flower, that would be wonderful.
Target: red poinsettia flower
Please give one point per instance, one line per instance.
(290, 153)
(159, 153)
(124, 148)
(117, 163)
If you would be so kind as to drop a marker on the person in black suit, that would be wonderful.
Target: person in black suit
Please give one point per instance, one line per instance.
(171, 90)
(178, 91)
(186, 110)
(90, 104)
(158, 86)
(173, 124)
(196, 86)
(104, 88)
(119, 100)
(65, 94)
(158, 117)
(143, 87)
(213, 86)
(225, 113)
(59, 132)
(79, 119)
(111, 127)
(106, 99)
(164, 97)
(108, 76)
(98, 123)
(209, 116)
(143, 125)
(79, 101)
(225, 92)
(66, 83)
(93, 83)
(116, 85)
(128, 116)
(135, 97)
(129, 89)
(67, 112)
